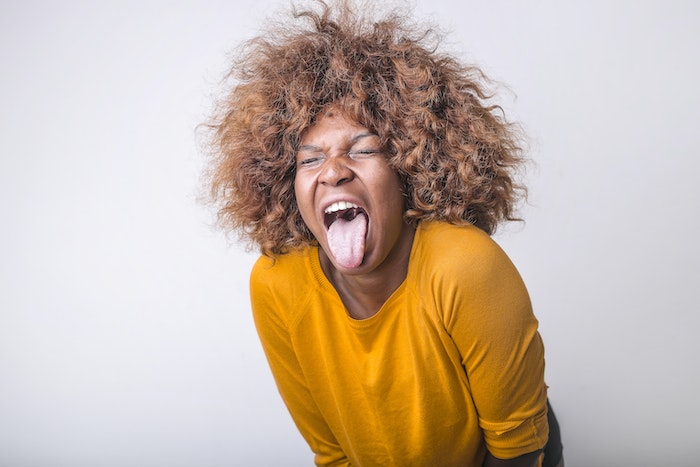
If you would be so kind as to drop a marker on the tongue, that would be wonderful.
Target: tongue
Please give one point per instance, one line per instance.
(346, 240)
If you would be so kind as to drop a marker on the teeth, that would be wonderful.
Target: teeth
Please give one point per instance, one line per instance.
(340, 206)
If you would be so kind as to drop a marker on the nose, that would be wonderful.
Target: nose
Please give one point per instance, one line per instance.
(335, 172)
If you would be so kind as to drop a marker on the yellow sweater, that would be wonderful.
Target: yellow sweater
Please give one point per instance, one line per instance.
(450, 366)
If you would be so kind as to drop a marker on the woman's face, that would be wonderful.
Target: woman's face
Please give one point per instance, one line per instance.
(349, 196)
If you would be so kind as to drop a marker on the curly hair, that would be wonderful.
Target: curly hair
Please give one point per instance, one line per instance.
(455, 154)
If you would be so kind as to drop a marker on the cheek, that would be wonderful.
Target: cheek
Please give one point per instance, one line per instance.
(392, 191)
(303, 199)
(296, 187)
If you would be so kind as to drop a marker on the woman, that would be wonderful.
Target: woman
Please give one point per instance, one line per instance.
(370, 172)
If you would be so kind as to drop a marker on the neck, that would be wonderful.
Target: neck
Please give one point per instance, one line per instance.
(364, 294)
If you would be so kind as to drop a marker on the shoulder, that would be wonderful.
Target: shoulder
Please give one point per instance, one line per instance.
(461, 273)
(457, 248)
(438, 230)
(281, 279)
(268, 268)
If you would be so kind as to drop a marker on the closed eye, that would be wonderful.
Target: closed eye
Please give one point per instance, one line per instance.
(364, 152)
(309, 161)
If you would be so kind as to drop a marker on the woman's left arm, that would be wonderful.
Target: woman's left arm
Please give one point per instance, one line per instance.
(491, 321)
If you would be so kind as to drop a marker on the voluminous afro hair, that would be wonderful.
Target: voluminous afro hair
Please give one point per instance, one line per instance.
(455, 154)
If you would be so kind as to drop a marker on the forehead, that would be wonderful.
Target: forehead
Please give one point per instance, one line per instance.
(334, 126)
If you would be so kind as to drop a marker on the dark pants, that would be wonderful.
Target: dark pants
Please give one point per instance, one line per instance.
(553, 450)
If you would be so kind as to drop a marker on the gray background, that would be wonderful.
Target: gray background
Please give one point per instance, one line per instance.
(125, 329)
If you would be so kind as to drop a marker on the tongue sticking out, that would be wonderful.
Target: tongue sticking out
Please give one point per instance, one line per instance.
(346, 240)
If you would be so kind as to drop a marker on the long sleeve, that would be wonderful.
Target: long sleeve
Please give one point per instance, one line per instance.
(487, 311)
(279, 350)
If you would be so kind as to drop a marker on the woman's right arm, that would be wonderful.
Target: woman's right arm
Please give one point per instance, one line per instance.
(289, 376)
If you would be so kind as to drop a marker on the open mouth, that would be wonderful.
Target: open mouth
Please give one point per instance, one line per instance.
(347, 233)
(341, 210)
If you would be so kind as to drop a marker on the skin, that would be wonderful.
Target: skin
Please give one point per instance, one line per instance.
(340, 160)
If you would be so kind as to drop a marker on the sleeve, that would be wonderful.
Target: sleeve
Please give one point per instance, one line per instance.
(488, 313)
(272, 329)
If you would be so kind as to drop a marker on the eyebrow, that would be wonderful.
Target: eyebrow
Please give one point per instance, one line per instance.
(355, 139)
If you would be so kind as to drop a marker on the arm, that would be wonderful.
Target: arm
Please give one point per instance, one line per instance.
(489, 316)
(288, 374)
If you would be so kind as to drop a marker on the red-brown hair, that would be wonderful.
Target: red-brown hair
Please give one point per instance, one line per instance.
(455, 154)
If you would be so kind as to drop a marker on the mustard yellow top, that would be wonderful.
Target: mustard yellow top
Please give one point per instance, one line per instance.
(450, 366)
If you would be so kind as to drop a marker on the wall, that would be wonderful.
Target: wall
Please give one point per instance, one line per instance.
(125, 331)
